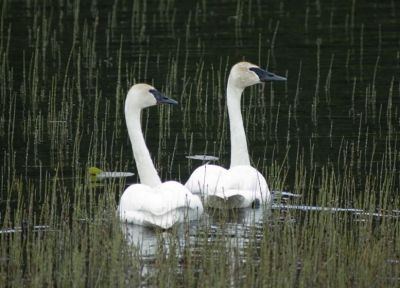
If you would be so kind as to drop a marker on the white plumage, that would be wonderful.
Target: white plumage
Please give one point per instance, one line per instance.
(241, 185)
(152, 203)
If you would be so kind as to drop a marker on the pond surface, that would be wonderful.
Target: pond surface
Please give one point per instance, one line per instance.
(329, 134)
(341, 61)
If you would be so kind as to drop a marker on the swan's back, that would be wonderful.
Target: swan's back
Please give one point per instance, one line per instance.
(163, 205)
(204, 180)
(239, 187)
(245, 178)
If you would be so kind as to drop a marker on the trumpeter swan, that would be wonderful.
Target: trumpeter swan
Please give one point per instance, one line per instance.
(241, 185)
(152, 203)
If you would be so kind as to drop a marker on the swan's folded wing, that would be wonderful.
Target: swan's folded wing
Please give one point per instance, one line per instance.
(240, 187)
(176, 196)
(204, 180)
(163, 206)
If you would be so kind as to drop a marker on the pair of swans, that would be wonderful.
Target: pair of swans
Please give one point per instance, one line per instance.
(153, 203)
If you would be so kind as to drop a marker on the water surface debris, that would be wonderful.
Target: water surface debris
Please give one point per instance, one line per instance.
(100, 174)
(203, 157)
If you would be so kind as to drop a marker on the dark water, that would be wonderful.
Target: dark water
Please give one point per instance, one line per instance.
(341, 59)
(65, 68)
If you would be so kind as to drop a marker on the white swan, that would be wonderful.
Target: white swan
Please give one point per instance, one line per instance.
(152, 203)
(242, 185)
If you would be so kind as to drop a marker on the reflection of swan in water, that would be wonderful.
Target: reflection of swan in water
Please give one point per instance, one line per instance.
(231, 230)
(227, 231)
(151, 242)
(245, 216)
(148, 242)
(144, 238)
(152, 203)
(241, 185)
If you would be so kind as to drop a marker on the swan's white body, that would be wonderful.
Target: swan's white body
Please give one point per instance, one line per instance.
(152, 203)
(238, 187)
(241, 185)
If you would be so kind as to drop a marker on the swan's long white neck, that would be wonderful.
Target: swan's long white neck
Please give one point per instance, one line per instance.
(239, 152)
(147, 172)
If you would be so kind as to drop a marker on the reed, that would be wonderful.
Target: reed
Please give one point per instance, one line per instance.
(329, 135)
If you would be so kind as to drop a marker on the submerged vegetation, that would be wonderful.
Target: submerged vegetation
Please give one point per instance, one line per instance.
(330, 134)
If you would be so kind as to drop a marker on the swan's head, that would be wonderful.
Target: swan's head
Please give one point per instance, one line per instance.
(244, 74)
(143, 95)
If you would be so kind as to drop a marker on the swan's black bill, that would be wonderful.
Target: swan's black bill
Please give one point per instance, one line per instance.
(266, 76)
(162, 99)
